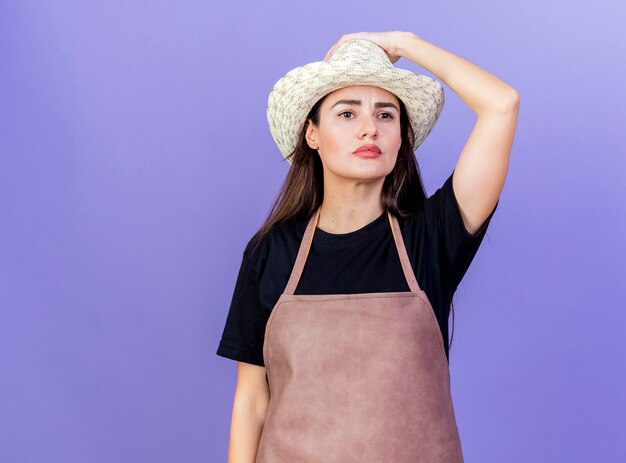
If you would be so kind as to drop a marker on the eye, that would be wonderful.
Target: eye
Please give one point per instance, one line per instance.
(390, 116)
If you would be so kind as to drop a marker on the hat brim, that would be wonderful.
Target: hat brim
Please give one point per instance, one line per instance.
(296, 92)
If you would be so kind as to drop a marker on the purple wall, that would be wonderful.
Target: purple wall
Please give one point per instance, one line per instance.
(136, 162)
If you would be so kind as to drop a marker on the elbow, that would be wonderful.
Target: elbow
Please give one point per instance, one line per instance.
(252, 406)
(511, 101)
(504, 105)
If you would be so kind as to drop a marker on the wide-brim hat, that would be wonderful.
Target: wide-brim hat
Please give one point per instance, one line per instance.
(355, 62)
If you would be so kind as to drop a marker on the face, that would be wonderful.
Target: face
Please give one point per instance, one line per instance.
(371, 117)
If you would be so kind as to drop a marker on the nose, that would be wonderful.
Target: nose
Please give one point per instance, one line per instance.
(368, 126)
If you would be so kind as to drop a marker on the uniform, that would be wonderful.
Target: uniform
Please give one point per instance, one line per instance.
(360, 376)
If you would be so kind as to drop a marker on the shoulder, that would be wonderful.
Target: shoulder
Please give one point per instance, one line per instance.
(427, 209)
(276, 245)
(441, 214)
(448, 210)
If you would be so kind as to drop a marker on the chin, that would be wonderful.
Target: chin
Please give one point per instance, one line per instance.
(372, 172)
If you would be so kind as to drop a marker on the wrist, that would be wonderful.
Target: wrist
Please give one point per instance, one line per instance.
(405, 42)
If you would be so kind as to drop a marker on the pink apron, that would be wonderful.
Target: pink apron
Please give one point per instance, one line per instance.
(357, 377)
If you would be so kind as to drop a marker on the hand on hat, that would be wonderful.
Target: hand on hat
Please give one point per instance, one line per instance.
(388, 41)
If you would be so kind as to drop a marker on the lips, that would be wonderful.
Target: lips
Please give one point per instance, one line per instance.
(370, 148)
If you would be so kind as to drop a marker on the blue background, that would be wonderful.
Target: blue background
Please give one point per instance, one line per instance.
(136, 162)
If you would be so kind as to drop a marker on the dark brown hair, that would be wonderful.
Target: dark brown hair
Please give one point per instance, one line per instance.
(302, 191)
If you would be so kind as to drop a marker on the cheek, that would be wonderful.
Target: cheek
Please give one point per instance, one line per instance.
(335, 140)
(394, 138)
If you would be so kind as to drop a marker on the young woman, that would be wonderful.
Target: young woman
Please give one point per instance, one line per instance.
(340, 309)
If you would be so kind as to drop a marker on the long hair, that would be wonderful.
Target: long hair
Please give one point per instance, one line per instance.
(303, 188)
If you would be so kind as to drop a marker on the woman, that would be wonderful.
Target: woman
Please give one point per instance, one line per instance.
(343, 359)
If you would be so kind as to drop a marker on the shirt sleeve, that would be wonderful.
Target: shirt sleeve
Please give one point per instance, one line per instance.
(244, 330)
(457, 245)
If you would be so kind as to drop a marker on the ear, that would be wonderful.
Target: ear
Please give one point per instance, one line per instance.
(311, 135)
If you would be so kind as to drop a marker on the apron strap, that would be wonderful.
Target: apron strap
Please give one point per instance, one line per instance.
(404, 257)
(303, 252)
(305, 247)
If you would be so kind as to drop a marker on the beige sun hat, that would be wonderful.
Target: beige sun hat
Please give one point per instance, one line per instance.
(355, 62)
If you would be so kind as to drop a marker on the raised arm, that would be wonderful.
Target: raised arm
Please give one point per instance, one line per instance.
(481, 169)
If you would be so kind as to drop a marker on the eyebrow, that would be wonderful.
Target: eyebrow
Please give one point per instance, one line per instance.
(378, 104)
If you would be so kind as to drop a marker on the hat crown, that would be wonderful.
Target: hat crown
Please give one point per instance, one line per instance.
(360, 52)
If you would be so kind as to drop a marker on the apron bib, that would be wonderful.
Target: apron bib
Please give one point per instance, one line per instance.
(357, 377)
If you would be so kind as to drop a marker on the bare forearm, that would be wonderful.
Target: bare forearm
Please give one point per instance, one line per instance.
(481, 90)
(245, 434)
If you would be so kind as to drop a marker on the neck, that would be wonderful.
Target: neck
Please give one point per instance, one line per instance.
(350, 206)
